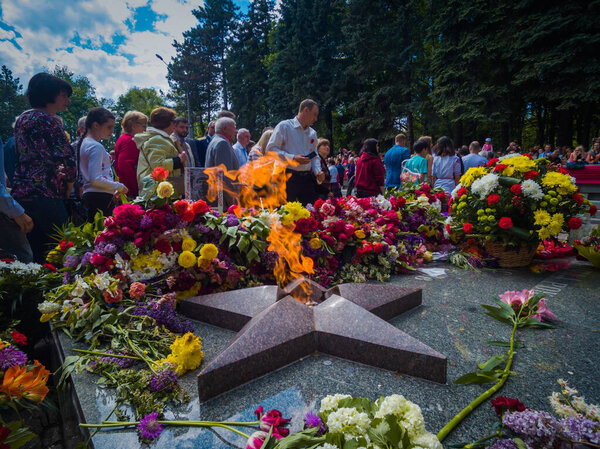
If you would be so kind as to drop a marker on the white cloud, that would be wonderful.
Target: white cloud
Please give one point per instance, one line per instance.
(48, 30)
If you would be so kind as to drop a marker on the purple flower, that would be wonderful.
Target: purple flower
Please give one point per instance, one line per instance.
(149, 428)
(66, 278)
(580, 429)
(533, 425)
(503, 444)
(313, 420)
(232, 220)
(11, 356)
(164, 381)
(202, 229)
(146, 222)
(167, 316)
(119, 361)
(71, 261)
(87, 257)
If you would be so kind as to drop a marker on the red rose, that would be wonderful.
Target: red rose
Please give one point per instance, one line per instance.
(493, 199)
(578, 198)
(318, 204)
(575, 223)
(462, 191)
(593, 210)
(503, 403)
(441, 196)
(468, 228)
(531, 174)
(163, 246)
(98, 260)
(328, 239)
(200, 207)
(491, 162)
(19, 338)
(516, 189)
(564, 171)
(181, 206)
(500, 167)
(505, 223)
(400, 202)
(426, 188)
(160, 174)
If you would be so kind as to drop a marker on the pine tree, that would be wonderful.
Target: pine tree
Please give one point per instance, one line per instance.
(12, 101)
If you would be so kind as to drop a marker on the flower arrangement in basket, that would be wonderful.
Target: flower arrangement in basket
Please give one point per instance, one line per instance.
(589, 247)
(514, 203)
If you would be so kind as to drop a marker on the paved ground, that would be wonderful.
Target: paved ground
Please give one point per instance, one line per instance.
(450, 321)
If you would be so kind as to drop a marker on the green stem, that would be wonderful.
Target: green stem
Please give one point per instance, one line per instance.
(120, 356)
(115, 424)
(487, 394)
(496, 434)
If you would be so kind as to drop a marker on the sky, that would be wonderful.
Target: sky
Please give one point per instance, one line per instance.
(112, 42)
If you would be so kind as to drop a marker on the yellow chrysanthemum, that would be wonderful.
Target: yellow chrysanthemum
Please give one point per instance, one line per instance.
(188, 244)
(556, 224)
(192, 291)
(360, 234)
(186, 259)
(186, 353)
(519, 163)
(295, 210)
(472, 174)
(209, 251)
(541, 217)
(315, 243)
(560, 182)
(165, 189)
(147, 261)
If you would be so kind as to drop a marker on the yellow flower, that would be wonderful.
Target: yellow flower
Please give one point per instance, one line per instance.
(472, 174)
(561, 182)
(209, 251)
(192, 291)
(186, 353)
(203, 263)
(47, 317)
(556, 224)
(519, 163)
(188, 244)
(428, 256)
(315, 243)
(295, 210)
(165, 189)
(542, 218)
(186, 259)
(360, 234)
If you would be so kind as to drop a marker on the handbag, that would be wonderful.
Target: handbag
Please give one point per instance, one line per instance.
(409, 176)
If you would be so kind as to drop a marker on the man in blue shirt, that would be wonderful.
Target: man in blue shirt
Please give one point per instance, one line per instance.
(241, 146)
(393, 162)
(473, 159)
(14, 222)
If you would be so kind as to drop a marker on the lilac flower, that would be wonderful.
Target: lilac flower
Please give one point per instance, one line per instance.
(87, 257)
(146, 222)
(232, 220)
(11, 356)
(166, 316)
(66, 278)
(313, 420)
(119, 361)
(202, 229)
(149, 428)
(533, 425)
(71, 261)
(503, 444)
(164, 381)
(580, 429)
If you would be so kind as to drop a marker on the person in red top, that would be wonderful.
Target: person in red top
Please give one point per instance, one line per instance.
(127, 152)
(370, 172)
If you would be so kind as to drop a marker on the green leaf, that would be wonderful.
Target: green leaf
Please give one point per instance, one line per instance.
(505, 344)
(476, 378)
(253, 254)
(305, 438)
(497, 314)
(492, 363)
(520, 443)
(243, 244)
(232, 231)
(19, 436)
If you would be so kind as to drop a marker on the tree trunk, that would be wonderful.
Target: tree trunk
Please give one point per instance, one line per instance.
(540, 136)
(410, 130)
(551, 126)
(584, 126)
(504, 132)
(329, 125)
(458, 133)
(565, 128)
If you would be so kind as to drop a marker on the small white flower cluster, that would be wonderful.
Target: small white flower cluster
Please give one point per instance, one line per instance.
(532, 189)
(484, 185)
(48, 307)
(348, 421)
(20, 268)
(567, 404)
(268, 218)
(331, 402)
(383, 202)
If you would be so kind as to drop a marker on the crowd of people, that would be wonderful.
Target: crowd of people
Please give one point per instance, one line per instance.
(46, 174)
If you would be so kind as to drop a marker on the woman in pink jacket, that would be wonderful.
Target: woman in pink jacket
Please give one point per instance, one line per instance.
(127, 152)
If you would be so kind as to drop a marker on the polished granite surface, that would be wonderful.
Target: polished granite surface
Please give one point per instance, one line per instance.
(450, 321)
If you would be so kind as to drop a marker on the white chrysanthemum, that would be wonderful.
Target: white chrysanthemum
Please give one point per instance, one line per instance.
(48, 307)
(383, 202)
(484, 185)
(426, 440)
(408, 413)
(348, 421)
(455, 191)
(330, 402)
(532, 189)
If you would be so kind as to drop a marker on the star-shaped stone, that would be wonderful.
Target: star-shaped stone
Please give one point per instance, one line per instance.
(274, 330)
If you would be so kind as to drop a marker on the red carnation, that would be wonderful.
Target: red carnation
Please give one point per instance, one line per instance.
(491, 162)
(448, 229)
(181, 206)
(441, 196)
(531, 174)
(400, 201)
(505, 223)
(19, 338)
(200, 207)
(468, 228)
(502, 404)
(462, 191)
(160, 174)
(500, 167)
(493, 199)
(426, 188)
(516, 189)
(578, 198)
(163, 246)
(50, 267)
(528, 155)
(564, 171)
(575, 223)
(593, 210)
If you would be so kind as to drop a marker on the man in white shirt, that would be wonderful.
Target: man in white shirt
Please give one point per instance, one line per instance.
(295, 141)
(241, 146)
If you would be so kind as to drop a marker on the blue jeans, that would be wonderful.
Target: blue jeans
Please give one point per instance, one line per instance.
(47, 214)
(13, 241)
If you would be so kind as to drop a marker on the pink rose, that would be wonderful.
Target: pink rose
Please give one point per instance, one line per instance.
(327, 209)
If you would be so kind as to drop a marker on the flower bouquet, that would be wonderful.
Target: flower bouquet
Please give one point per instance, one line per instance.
(589, 247)
(514, 203)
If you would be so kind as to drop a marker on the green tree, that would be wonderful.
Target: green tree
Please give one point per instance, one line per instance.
(248, 74)
(12, 101)
(139, 99)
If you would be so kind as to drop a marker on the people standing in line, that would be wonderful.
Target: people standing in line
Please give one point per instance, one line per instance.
(259, 149)
(157, 149)
(95, 165)
(370, 172)
(14, 222)
(323, 189)
(418, 163)
(334, 185)
(127, 152)
(339, 164)
(241, 146)
(393, 159)
(182, 129)
(473, 159)
(428, 155)
(78, 133)
(220, 151)
(446, 165)
(45, 162)
(295, 140)
(202, 144)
